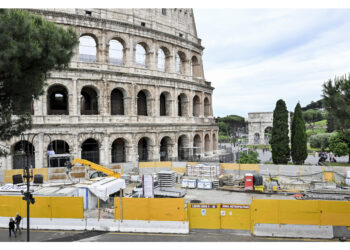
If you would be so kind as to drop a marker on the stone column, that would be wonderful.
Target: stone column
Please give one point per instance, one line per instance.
(104, 150)
(42, 158)
(76, 149)
(44, 103)
(156, 105)
(202, 96)
(75, 97)
(129, 52)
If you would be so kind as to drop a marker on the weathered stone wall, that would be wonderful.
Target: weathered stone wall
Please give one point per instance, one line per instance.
(175, 30)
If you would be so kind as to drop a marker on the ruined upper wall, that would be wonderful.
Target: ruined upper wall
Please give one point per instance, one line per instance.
(176, 22)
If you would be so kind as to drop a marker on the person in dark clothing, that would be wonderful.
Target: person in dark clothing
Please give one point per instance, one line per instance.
(12, 227)
(18, 222)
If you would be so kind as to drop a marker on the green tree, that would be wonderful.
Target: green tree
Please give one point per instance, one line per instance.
(279, 138)
(30, 47)
(330, 123)
(311, 116)
(337, 102)
(248, 158)
(337, 145)
(320, 141)
(298, 137)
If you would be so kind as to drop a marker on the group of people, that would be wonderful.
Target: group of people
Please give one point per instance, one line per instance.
(14, 223)
(323, 156)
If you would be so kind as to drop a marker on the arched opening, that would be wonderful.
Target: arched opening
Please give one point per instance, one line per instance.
(267, 135)
(118, 151)
(197, 146)
(90, 151)
(196, 106)
(182, 148)
(89, 101)
(164, 104)
(116, 52)
(143, 149)
(207, 143)
(141, 55)
(195, 67)
(182, 105)
(57, 101)
(206, 107)
(215, 145)
(117, 102)
(164, 150)
(256, 138)
(161, 60)
(23, 155)
(180, 59)
(87, 49)
(142, 103)
(59, 147)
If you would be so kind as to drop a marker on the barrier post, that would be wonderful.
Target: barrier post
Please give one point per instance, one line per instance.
(98, 209)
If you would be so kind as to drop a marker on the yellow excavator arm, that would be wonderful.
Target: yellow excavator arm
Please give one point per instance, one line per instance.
(97, 167)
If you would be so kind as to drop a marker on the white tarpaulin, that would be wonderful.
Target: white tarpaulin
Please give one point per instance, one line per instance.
(102, 189)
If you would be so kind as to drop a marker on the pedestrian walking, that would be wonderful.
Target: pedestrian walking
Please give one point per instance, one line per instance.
(12, 227)
(18, 222)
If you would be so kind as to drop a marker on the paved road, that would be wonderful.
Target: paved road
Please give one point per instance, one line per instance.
(93, 236)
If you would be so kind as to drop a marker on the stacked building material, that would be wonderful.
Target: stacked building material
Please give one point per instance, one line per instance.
(166, 178)
(201, 170)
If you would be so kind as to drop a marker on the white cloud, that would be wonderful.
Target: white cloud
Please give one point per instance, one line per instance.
(255, 57)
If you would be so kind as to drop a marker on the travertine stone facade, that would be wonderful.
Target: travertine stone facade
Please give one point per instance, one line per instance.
(258, 122)
(79, 105)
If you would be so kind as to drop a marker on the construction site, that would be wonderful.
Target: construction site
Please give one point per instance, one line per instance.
(177, 197)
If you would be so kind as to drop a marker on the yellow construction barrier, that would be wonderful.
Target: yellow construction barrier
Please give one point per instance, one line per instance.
(301, 212)
(9, 173)
(44, 207)
(152, 209)
(235, 216)
(236, 166)
(204, 216)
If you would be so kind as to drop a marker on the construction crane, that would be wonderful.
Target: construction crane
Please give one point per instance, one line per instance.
(94, 166)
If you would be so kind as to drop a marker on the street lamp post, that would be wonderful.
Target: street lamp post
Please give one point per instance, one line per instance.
(28, 176)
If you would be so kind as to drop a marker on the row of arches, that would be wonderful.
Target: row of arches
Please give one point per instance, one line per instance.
(58, 102)
(90, 149)
(88, 51)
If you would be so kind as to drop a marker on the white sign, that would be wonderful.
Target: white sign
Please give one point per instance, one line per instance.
(223, 213)
(204, 212)
(147, 186)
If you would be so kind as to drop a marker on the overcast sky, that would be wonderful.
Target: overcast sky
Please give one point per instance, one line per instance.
(253, 57)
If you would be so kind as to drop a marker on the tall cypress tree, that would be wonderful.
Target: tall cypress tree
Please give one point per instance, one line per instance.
(279, 138)
(299, 137)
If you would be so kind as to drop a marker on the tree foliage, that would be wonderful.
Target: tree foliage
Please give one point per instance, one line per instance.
(248, 158)
(320, 141)
(279, 138)
(314, 105)
(298, 137)
(230, 124)
(30, 47)
(337, 102)
(338, 145)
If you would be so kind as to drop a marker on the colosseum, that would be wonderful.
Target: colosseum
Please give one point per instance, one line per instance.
(134, 91)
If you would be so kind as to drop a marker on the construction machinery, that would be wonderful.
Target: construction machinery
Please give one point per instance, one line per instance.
(94, 166)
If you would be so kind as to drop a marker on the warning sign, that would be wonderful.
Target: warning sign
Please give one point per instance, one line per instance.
(235, 206)
(203, 206)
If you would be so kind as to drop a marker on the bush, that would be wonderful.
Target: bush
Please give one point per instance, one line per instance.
(320, 141)
(338, 146)
(250, 157)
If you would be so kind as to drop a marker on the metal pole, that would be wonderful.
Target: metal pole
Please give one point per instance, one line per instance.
(28, 201)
